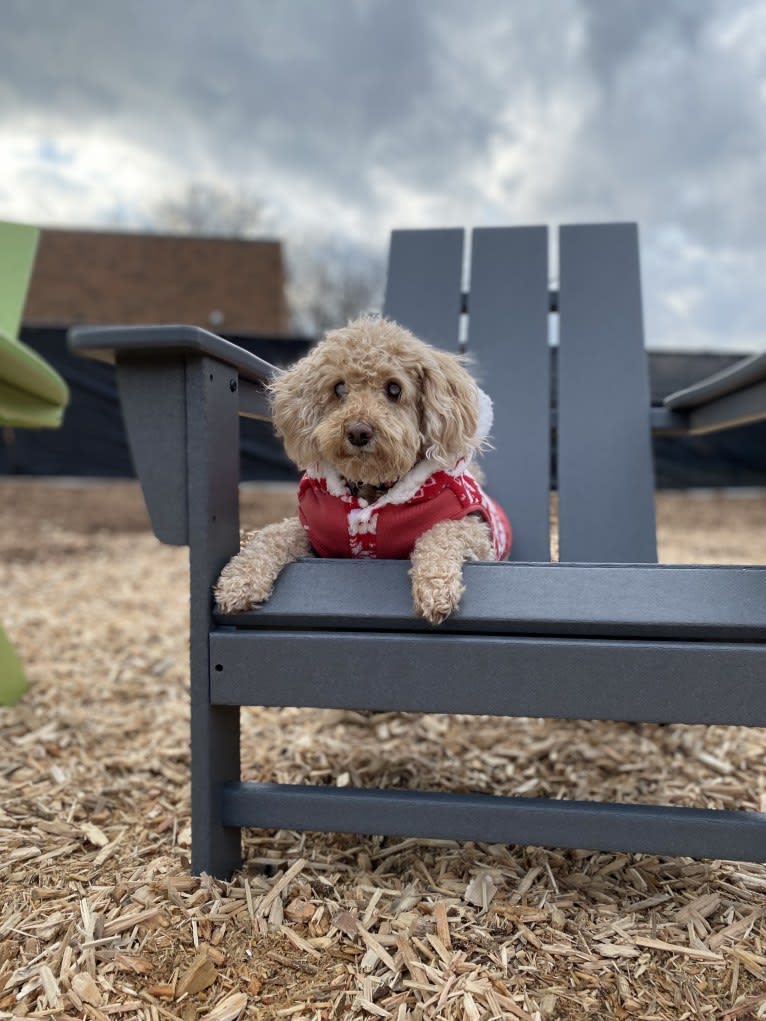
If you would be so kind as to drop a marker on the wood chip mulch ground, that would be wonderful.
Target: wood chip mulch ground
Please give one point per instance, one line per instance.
(101, 919)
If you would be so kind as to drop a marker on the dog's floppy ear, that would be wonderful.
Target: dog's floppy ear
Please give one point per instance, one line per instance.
(293, 416)
(449, 408)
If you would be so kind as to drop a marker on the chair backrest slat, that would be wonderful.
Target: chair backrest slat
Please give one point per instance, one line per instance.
(508, 338)
(605, 473)
(423, 287)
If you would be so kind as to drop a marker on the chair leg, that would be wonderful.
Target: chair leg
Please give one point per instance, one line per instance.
(215, 760)
(213, 477)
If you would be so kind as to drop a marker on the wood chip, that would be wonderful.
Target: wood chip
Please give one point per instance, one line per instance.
(734, 930)
(299, 942)
(616, 950)
(299, 910)
(135, 963)
(481, 890)
(50, 987)
(346, 922)
(130, 921)
(351, 926)
(673, 948)
(227, 1009)
(94, 835)
(281, 884)
(442, 924)
(377, 948)
(201, 974)
(373, 1008)
(86, 989)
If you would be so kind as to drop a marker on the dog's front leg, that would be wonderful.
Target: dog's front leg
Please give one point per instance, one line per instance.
(437, 564)
(248, 578)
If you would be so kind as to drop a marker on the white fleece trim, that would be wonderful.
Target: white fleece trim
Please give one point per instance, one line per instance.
(486, 416)
(333, 479)
(404, 490)
(401, 492)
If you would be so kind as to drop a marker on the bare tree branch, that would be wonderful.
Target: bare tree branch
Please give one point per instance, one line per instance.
(209, 210)
(330, 282)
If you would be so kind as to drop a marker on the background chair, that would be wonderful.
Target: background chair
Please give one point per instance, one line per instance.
(32, 394)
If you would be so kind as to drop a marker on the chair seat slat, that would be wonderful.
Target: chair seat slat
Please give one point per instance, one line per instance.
(582, 678)
(626, 601)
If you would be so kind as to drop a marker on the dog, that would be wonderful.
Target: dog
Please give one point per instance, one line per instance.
(384, 427)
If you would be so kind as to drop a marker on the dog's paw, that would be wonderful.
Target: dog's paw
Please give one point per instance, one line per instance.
(243, 585)
(248, 579)
(436, 596)
(437, 565)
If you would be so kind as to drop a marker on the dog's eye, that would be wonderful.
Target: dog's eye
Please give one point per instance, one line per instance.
(340, 389)
(393, 390)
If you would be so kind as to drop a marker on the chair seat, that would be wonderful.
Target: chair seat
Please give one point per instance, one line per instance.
(645, 601)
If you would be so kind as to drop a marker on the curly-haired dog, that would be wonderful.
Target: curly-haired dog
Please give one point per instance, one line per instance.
(384, 427)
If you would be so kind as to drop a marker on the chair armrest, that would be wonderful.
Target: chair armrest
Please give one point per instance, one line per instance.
(732, 397)
(109, 343)
(182, 390)
(122, 343)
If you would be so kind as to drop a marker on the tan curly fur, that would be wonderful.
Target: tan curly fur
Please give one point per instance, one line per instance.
(435, 416)
(417, 403)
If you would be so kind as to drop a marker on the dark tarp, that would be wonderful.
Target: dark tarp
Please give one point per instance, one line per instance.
(92, 441)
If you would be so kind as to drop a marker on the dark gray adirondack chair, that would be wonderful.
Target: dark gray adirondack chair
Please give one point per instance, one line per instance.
(605, 634)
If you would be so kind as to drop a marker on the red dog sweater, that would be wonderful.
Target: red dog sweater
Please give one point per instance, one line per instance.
(340, 524)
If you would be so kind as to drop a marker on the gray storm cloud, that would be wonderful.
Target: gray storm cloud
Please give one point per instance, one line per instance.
(360, 115)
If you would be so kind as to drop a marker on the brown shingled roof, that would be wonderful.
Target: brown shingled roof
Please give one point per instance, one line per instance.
(108, 278)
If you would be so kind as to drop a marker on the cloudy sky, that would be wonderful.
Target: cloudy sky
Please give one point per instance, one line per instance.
(350, 117)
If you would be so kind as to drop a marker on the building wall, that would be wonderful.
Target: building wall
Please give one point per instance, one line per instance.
(97, 277)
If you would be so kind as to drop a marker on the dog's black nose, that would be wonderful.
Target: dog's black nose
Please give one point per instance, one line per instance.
(359, 433)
